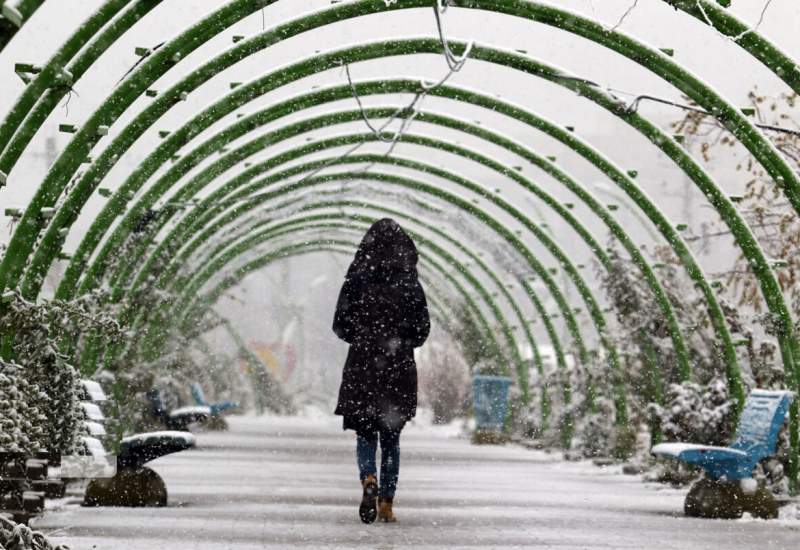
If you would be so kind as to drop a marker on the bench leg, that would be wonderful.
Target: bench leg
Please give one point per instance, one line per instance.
(129, 487)
(761, 504)
(217, 423)
(714, 499)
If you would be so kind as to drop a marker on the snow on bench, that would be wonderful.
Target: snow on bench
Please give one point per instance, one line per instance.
(197, 410)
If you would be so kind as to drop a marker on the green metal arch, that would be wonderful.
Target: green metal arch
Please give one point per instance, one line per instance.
(748, 39)
(44, 92)
(134, 260)
(194, 283)
(572, 81)
(8, 29)
(467, 206)
(170, 274)
(787, 347)
(189, 294)
(247, 150)
(670, 234)
(625, 46)
(170, 278)
(707, 12)
(166, 245)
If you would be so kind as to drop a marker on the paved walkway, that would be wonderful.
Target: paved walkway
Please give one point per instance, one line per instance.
(291, 483)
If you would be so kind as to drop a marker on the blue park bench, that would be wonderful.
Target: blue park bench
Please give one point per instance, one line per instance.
(134, 484)
(131, 483)
(216, 408)
(728, 488)
(176, 419)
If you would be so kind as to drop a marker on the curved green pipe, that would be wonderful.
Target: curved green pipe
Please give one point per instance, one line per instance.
(437, 310)
(161, 247)
(773, 168)
(43, 93)
(757, 45)
(8, 30)
(463, 205)
(191, 287)
(169, 271)
(231, 159)
(167, 246)
(441, 235)
(183, 309)
(171, 277)
(500, 10)
(751, 41)
(572, 81)
(653, 60)
(556, 348)
(363, 89)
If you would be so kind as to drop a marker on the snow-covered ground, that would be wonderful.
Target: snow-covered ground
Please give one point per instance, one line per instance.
(274, 482)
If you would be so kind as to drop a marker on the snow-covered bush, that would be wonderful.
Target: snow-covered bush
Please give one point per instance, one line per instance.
(695, 414)
(21, 537)
(41, 387)
(476, 346)
(444, 381)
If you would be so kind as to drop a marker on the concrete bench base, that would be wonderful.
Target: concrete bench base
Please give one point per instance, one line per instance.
(727, 500)
(132, 487)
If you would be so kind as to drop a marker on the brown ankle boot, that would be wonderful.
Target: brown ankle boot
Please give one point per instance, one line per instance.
(367, 511)
(385, 513)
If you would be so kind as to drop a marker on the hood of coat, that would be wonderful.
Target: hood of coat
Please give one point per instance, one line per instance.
(385, 249)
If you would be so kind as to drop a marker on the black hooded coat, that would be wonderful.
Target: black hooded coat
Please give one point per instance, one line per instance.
(382, 313)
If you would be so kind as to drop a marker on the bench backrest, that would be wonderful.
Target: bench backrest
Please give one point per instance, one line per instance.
(761, 420)
(156, 404)
(197, 393)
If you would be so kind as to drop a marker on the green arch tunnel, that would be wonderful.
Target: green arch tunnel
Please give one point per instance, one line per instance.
(39, 238)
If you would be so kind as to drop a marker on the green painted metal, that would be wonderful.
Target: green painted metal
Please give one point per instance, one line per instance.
(170, 274)
(212, 203)
(190, 291)
(496, 7)
(671, 72)
(188, 301)
(255, 234)
(245, 151)
(462, 204)
(162, 221)
(745, 37)
(777, 165)
(566, 137)
(8, 29)
(44, 92)
(183, 260)
(323, 245)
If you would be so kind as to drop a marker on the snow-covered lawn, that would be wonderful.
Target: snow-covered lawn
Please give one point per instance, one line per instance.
(274, 482)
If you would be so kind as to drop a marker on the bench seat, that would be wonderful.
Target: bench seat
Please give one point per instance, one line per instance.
(717, 461)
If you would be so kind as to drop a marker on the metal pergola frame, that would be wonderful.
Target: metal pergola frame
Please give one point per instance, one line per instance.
(38, 240)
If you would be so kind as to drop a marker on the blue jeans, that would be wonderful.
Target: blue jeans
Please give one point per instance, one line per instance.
(367, 446)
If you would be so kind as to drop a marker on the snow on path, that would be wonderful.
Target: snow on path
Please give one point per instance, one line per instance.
(276, 482)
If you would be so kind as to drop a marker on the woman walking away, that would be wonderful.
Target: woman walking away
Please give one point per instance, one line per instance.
(382, 313)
